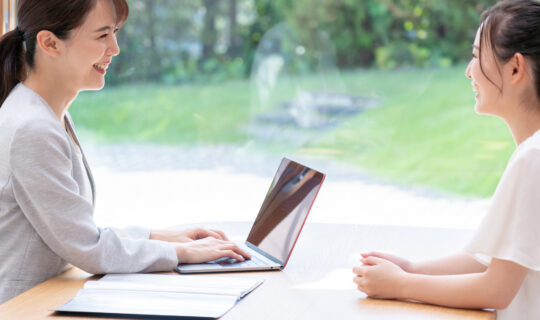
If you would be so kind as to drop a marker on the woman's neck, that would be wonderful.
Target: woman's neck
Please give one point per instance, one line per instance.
(524, 124)
(52, 91)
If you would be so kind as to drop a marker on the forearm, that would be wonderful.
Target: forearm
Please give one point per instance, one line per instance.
(459, 291)
(494, 288)
(461, 263)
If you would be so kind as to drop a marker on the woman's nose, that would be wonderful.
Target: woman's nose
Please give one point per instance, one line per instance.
(468, 70)
(114, 49)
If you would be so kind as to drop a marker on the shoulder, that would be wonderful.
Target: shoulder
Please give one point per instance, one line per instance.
(24, 104)
(31, 137)
(526, 158)
(520, 182)
(35, 132)
(26, 116)
(39, 145)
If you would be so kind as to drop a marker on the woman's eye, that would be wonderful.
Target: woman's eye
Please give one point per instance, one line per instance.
(103, 36)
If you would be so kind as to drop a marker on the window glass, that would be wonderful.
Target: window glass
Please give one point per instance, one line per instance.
(207, 96)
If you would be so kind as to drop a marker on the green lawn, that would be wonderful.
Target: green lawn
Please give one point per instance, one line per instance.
(424, 132)
(164, 114)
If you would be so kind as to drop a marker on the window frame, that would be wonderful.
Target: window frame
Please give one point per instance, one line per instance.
(7, 15)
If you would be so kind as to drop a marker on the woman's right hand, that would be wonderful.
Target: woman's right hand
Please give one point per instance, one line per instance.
(208, 249)
(404, 264)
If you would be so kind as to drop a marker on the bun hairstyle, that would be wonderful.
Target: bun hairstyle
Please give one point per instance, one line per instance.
(513, 26)
(18, 47)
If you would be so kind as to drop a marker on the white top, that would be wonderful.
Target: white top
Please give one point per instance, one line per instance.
(511, 228)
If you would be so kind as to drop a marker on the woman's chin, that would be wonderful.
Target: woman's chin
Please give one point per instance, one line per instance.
(480, 109)
(94, 87)
(477, 108)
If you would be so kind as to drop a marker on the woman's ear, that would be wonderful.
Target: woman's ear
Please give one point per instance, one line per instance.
(48, 43)
(517, 67)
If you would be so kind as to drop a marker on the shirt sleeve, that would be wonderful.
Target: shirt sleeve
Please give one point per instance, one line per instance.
(40, 158)
(511, 228)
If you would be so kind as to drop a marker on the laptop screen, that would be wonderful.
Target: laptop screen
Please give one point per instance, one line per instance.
(285, 209)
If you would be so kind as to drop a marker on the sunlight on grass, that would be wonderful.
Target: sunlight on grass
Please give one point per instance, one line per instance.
(427, 136)
(424, 132)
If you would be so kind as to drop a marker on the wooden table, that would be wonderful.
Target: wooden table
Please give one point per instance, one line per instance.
(316, 284)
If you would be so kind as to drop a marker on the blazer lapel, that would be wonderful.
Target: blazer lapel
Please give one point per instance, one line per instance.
(69, 126)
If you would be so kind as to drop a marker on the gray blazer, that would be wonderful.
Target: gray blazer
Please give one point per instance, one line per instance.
(47, 204)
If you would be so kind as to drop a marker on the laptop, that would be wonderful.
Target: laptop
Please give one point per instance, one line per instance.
(278, 224)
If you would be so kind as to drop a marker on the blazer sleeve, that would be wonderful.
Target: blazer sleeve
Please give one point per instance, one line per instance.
(40, 159)
(133, 232)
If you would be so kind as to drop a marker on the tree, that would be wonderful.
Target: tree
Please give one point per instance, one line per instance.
(209, 34)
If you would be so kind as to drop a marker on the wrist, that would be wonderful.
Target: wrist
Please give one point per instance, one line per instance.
(181, 253)
(403, 284)
(412, 267)
(157, 235)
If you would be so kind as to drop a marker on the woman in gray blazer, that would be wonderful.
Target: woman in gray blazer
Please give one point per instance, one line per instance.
(58, 49)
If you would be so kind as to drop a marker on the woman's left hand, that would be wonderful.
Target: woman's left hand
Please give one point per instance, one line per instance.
(186, 235)
(379, 278)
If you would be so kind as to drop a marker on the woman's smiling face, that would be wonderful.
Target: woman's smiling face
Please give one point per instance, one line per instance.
(90, 48)
(483, 70)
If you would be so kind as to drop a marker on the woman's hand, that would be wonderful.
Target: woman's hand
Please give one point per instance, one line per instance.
(404, 264)
(379, 278)
(208, 249)
(186, 235)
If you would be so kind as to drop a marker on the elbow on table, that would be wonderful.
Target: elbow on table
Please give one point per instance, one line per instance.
(499, 300)
(98, 261)
(501, 283)
(93, 267)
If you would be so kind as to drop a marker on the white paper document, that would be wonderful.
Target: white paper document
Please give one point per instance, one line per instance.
(161, 295)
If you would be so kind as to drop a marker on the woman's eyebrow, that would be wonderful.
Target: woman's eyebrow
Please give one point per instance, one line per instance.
(103, 29)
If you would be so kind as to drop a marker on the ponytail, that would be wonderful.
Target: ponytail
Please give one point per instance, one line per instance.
(12, 68)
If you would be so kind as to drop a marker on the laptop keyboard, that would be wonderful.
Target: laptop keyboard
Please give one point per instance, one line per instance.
(233, 263)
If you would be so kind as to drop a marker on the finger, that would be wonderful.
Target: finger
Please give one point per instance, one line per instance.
(213, 234)
(357, 280)
(221, 234)
(229, 245)
(205, 233)
(242, 252)
(375, 254)
(382, 255)
(233, 255)
(372, 261)
(358, 270)
(361, 288)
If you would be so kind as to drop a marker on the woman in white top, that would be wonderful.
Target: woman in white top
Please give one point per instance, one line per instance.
(500, 267)
(46, 188)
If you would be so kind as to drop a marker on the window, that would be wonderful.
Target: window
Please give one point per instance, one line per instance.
(206, 96)
(8, 17)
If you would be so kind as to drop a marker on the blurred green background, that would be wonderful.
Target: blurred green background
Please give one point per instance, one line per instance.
(239, 72)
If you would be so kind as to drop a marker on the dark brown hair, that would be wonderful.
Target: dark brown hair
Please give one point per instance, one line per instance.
(510, 27)
(18, 47)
